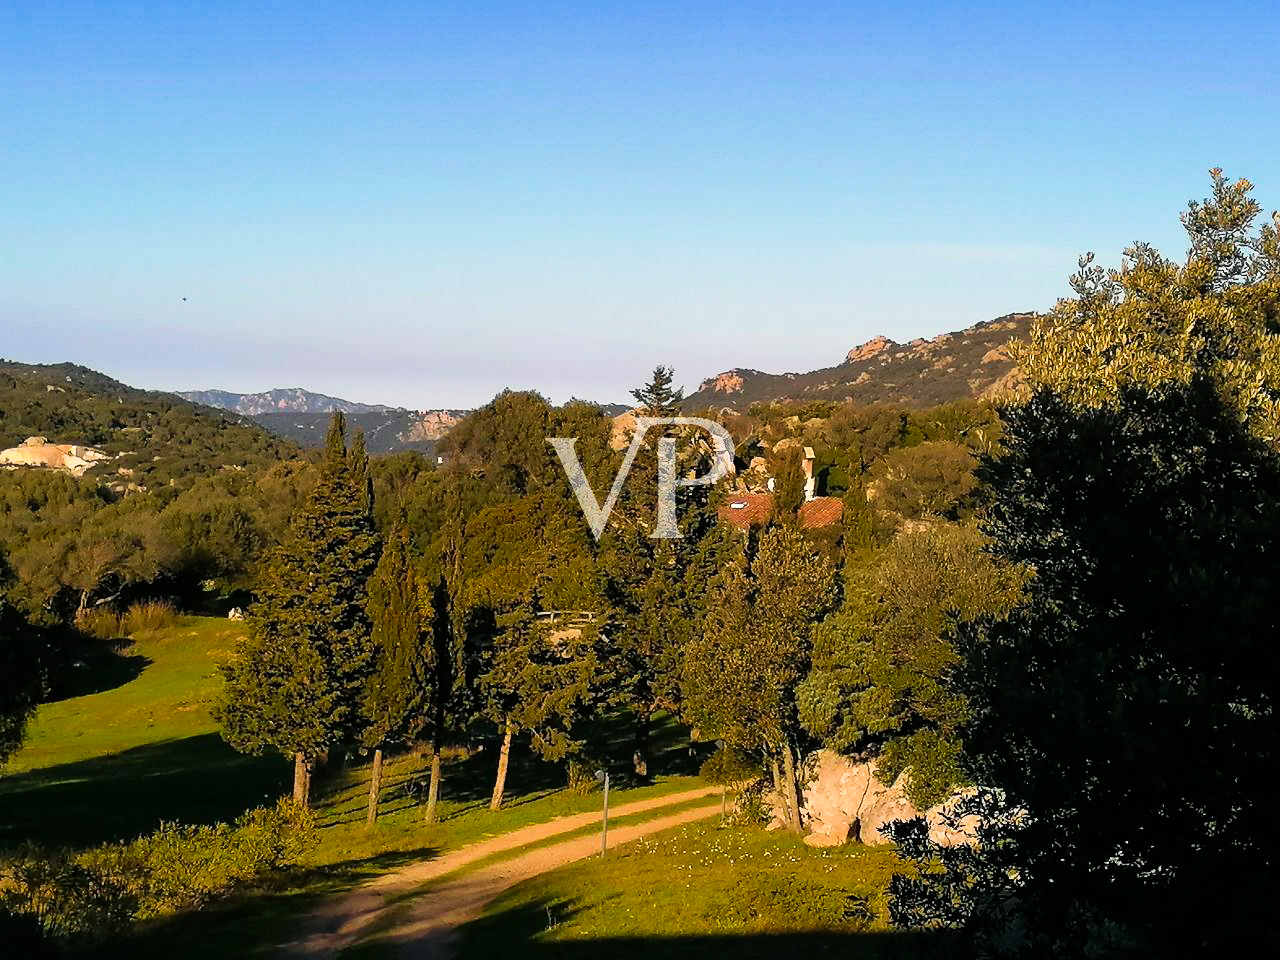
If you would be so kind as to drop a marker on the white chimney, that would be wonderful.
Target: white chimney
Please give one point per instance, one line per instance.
(810, 482)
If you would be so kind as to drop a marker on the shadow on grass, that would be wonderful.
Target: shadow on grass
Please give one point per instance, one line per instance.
(468, 782)
(120, 796)
(530, 932)
(99, 674)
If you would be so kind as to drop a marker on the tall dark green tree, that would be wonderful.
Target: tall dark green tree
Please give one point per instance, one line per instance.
(400, 689)
(542, 681)
(741, 676)
(656, 588)
(1124, 715)
(296, 682)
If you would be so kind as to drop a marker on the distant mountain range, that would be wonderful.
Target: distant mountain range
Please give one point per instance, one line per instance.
(969, 364)
(286, 400)
(303, 417)
(73, 404)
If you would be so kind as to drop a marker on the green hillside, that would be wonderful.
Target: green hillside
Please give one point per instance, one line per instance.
(156, 437)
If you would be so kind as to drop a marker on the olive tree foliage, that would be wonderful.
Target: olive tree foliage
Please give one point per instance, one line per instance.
(1155, 322)
(929, 480)
(543, 681)
(740, 676)
(879, 683)
(1123, 718)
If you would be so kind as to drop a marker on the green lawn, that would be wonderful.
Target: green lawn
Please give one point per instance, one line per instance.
(157, 690)
(702, 891)
(115, 761)
(136, 746)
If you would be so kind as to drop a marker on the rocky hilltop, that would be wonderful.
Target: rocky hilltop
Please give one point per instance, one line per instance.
(966, 364)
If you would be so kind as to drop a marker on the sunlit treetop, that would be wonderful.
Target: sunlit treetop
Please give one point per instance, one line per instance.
(1154, 322)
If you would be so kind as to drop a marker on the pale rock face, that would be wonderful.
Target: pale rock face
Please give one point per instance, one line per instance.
(624, 424)
(844, 802)
(834, 799)
(431, 425)
(728, 382)
(76, 459)
(885, 807)
(872, 348)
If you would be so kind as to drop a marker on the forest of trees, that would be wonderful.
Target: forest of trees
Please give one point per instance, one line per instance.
(1066, 601)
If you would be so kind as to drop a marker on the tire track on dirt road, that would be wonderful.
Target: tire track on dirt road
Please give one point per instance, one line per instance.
(339, 921)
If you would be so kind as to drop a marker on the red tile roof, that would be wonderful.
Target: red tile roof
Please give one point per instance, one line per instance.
(745, 510)
(822, 512)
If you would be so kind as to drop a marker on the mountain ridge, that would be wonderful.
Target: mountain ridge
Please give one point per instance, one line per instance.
(971, 363)
(279, 400)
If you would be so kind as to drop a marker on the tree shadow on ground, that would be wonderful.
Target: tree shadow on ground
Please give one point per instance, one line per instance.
(468, 781)
(88, 665)
(530, 932)
(194, 780)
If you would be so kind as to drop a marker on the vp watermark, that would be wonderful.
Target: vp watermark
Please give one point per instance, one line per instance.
(668, 480)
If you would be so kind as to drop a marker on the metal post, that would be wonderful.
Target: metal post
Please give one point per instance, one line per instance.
(604, 823)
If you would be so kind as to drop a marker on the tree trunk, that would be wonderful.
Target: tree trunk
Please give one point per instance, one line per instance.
(641, 757)
(504, 756)
(780, 788)
(792, 787)
(301, 779)
(375, 786)
(433, 792)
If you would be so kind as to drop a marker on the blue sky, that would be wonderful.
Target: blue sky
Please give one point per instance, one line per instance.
(423, 203)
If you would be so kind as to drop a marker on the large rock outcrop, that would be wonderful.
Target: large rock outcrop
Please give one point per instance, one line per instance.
(844, 801)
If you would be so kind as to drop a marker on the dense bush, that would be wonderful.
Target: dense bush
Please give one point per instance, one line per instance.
(731, 765)
(98, 894)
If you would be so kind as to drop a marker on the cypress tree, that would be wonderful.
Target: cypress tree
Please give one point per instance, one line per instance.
(788, 496)
(398, 693)
(543, 683)
(296, 681)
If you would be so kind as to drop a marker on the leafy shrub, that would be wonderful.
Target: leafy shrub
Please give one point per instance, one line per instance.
(98, 894)
(70, 896)
(731, 765)
(582, 774)
(108, 623)
(751, 809)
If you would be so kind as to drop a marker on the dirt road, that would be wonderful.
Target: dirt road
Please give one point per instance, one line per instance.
(427, 930)
(339, 922)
